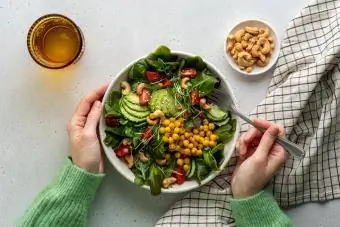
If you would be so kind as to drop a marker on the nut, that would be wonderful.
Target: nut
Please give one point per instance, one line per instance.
(126, 88)
(264, 45)
(245, 59)
(167, 182)
(126, 141)
(184, 82)
(190, 72)
(238, 35)
(129, 160)
(161, 162)
(252, 30)
(204, 104)
(142, 157)
(139, 88)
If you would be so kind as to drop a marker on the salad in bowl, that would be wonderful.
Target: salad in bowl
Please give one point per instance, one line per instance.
(160, 127)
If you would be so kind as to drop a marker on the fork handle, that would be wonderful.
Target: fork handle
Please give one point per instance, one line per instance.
(291, 147)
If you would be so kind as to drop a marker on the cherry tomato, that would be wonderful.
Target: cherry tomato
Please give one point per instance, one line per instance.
(153, 76)
(179, 174)
(111, 121)
(123, 150)
(195, 97)
(147, 133)
(144, 98)
(166, 83)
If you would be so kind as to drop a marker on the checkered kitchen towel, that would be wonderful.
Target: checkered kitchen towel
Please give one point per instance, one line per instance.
(304, 96)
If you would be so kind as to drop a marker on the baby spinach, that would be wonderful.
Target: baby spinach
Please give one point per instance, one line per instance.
(195, 62)
(111, 105)
(137, 71)
(202, 170)
(111, 140)
(217, 148)
(162, 52)
(155, 179)
(226, 132)
(205, 83)
(192, 122)
(209, 160)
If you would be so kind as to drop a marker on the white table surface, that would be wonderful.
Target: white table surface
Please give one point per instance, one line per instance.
(36, 103)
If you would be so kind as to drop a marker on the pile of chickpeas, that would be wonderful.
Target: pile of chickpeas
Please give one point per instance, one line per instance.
(186, 143)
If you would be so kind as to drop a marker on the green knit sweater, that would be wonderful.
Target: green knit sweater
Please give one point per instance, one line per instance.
(66, 202)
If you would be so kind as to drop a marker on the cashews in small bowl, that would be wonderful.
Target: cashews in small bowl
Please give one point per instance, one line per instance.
(252, 47)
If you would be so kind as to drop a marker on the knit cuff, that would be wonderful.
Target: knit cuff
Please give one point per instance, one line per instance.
(78, 183)
(258, 210)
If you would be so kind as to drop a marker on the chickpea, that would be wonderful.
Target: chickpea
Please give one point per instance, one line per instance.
(172, 125)
(162, 130)
(172, 146)
(194, 151)
(187, 135)
(180, 162)
(191, 145)
(205, 122)
(208, 133)
(172, 119)
(182, 137)
(167, 157)
(206, 143)
(187, 160)
(187, 151)
(186, 167)
(177, 130)
(211, 126)
(177, 155)
(212, 143)
(199, 153)
(171, 140)
(165, 139)
(206, 128)
(213, 137)
(167, 129)
(166, 122)
(177, 123)
(175, 136)
(195, 131)
(202, 133)
(186, 143)
(201, 127)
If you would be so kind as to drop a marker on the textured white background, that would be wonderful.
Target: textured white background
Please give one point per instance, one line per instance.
(36, 103)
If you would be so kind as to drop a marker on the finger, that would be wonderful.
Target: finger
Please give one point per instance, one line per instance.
(93, 117)
(252, 134)
(266, 124)
(276, 162)
(267, 141)
(79, 117)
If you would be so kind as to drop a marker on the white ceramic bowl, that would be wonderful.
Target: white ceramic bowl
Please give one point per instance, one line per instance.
(228, 97)
(256, 70)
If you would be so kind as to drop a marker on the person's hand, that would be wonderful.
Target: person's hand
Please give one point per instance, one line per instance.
(259, 158)
(82, 129)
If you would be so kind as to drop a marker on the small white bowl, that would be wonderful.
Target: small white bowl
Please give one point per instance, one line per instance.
(227, 97)
(256, 69)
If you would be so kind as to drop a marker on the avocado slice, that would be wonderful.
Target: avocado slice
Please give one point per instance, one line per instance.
(134, 112)
(129, 116)
(132, 98)
(135, 107)
(216, 113)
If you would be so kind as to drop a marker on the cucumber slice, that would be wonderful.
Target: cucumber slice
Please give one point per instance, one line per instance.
(223, 122)
(216, 113)
(130, 117)
(192, 169)
(135, 107)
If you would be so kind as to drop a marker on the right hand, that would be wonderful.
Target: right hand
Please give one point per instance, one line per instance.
(259, 158)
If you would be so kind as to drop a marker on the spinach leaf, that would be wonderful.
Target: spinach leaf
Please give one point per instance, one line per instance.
(226, 132)
(111, 105)
(170, 168)
(191, 122)
(195, 62)
(202, 170)
(217, 148)
(141, 169)
(209, 160)
(111, 140)
(115, 131)
(137, 71)
(168, 68)
(155, 180)
(162, 52)
(204, 83)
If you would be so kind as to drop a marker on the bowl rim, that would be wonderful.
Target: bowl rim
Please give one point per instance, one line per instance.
(227, 155)
(264, 69)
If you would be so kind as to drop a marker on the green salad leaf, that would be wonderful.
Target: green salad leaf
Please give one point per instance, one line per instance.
(205, 83)
(137, 71)
(226, 132)
(202, 170)
(162, 52)
(195, 62)
(209, 159)
(111, 105)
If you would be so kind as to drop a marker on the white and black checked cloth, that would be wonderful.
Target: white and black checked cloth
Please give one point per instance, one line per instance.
(303, 96)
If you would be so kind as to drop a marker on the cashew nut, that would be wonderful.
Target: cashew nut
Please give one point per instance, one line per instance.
(270, 39)
(272, 45)
(249, 69)
(129, 160)
(255, 51)
(161, 162)
(247, 36)
(264, 32)
(126, 88)
(204, 104)
(264, 45)
(167, 182)
(244, 43)
(184, 82)
(142, 157)
(139, 88)
(261, 63)
(190, 72)
(155, 117)
(230, 42)
(252, 30)
(245, 59)
(238, 35)
(262, 57)
(126, 141)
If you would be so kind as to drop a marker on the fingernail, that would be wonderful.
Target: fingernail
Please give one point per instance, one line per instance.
(274, 131)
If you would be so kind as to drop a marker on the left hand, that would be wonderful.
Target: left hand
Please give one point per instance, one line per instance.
(82, 129)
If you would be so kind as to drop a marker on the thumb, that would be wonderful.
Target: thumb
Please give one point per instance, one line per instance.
(94, 116)
(267, 141)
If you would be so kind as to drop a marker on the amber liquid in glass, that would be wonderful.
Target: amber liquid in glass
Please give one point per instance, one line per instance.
(54, 41)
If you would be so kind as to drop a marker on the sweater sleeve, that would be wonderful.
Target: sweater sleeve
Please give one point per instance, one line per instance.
(260, 210)
(65, 201)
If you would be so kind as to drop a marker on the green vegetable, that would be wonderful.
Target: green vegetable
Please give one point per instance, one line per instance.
(202, 170)
(217, 148)
(163, 100)
(155, 180)
(209, 160)
(118, 131)
(162, 52)
(215, 113)
(168, 170)
(111, 105)
(137, 71)
(138, 181)
(205, 83)
(191, 123)
(111, 140)
(191, 173)
(195, 62)
(226, 132)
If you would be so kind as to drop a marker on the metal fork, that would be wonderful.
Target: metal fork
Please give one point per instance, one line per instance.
(291, 147)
